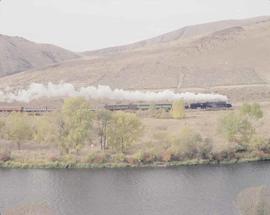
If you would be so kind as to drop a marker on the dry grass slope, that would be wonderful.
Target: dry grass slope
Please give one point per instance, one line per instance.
(18, 54)
(231, 57)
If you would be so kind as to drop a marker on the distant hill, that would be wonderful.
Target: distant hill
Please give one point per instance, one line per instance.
(18, 54)
(214, 56)
(181, 34)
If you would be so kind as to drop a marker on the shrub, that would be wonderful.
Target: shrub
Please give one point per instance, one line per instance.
(144, 157)
(226, 154)
(240, 148)
(119, 158)
(102, 158)
(166, 155)
(53, 157)
(205, 149)
(187, 144)
(69, 159)
(261, 155)
(260, 144)
(5, 155)
(91, 157)
(156, 153)
(98, 157)
(148, 157)
(252, 110)
(132, 160)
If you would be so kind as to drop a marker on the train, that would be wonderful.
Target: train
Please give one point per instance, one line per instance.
(136, 107)
(215, 105)
(25, 109)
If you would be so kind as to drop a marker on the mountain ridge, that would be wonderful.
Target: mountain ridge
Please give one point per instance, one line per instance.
(229, 58)
(184, 32)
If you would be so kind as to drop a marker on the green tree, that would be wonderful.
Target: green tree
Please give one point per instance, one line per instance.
(252, 110)
(45, 129)
(74, 124)
(18, 128)
(124, 130)
(178, 109)
(236, 128)
(103, 119)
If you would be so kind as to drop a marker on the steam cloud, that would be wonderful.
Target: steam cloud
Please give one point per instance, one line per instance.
(36, 91)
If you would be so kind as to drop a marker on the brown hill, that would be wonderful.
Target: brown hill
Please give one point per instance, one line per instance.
(18, 54)
(212, 57)
(181, 34)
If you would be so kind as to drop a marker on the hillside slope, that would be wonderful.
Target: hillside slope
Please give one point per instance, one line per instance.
(18, 54)
(181, 34)
(232, 54)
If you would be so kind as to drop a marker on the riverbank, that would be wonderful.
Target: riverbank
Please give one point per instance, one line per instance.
(75, 165)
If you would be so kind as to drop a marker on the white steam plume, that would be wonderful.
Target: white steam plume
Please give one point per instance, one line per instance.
(36, 91)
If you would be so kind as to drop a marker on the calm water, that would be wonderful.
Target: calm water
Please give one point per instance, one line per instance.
(185, 190)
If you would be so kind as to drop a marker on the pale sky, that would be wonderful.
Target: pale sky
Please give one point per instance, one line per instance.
(81, 25)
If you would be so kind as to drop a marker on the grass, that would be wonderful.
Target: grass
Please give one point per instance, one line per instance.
(83, 165)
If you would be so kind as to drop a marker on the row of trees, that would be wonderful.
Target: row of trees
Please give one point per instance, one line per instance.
(73, 127)
(115, 134)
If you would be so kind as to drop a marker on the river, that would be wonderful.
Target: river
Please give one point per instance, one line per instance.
(194, 190)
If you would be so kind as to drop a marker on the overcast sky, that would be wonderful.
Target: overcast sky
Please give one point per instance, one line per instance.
(92, 24)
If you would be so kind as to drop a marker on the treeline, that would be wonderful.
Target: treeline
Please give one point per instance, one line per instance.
(240, 138)
(73, 127)
(103, 137)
